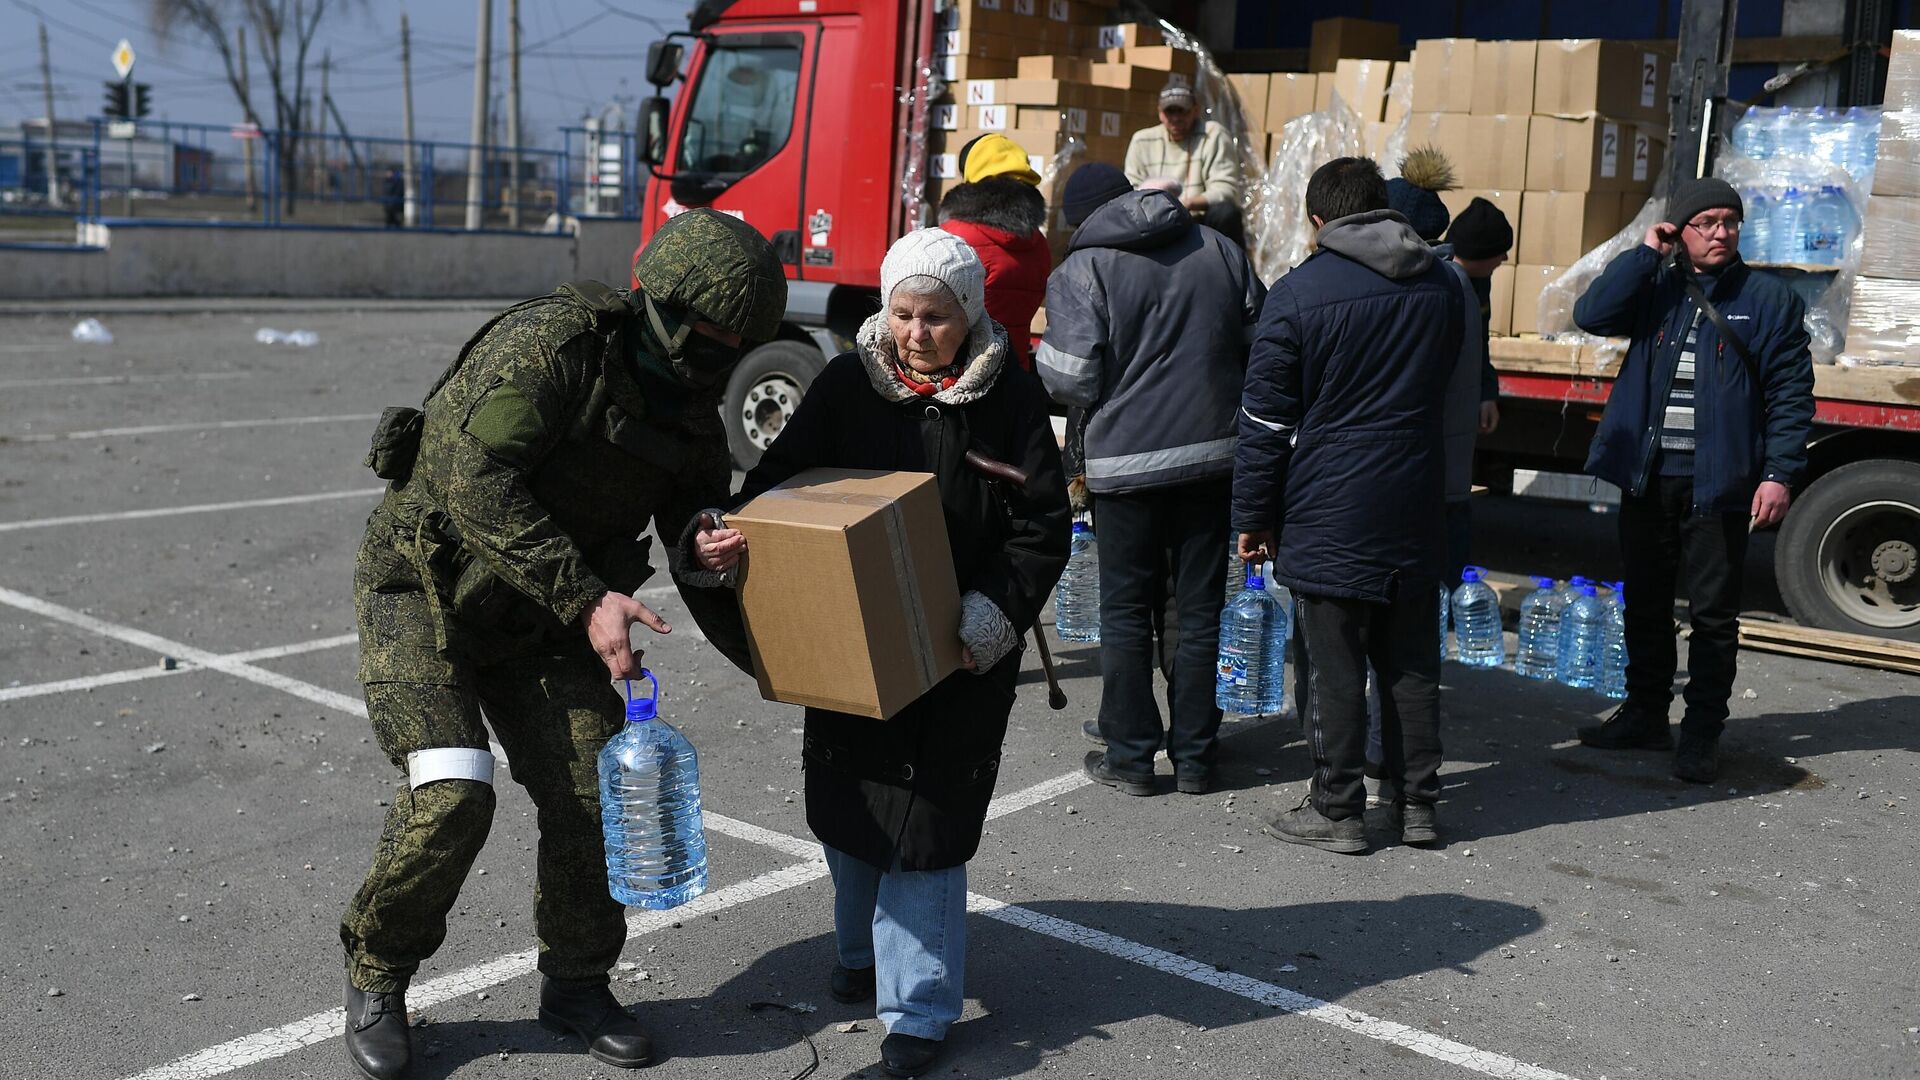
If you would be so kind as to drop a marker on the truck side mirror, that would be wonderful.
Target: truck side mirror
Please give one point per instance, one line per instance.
(663, 62)
(653, 131)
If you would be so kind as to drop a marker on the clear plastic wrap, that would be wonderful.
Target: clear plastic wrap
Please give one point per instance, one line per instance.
(1883, 325)
(1279, 217)
(1400, 117)
(1903, 71)
(1898, 169)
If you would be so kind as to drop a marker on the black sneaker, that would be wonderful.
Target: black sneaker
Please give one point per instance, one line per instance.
(850, 986)
(909, 1055)
(1306, 825)
(1097, 770)
(1697, 761)
(1629, 729)
(1419, 826)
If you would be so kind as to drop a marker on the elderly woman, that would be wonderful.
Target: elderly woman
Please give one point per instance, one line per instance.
(899, 805)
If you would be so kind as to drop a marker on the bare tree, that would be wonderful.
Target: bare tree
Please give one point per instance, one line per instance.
(284, 31)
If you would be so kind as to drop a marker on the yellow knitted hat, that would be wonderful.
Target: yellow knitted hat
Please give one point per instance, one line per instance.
(996, 155)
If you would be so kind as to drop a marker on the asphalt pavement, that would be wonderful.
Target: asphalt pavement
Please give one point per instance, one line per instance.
(189, 793)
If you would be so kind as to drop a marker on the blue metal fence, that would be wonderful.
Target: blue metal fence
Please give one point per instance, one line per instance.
(203, 172)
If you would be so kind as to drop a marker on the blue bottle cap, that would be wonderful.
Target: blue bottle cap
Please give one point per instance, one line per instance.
(1576, 581)
(1256, 582)
(1471, 573)
(1542, 582)
(640, 710)
(1081, 527)
(1588, 590)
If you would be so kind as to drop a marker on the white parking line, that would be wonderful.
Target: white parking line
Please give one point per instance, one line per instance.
(201, 425)
(119, 380)
(323, 1026)
(182, 651)
(196, 508)
(141, 674)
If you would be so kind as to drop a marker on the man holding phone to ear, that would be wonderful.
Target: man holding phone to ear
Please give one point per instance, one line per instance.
(1705, 433)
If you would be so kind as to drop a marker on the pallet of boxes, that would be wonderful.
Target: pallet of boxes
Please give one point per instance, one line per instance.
(1360, 60)
(1883, 319)
(1566, 137)
(1053, 76)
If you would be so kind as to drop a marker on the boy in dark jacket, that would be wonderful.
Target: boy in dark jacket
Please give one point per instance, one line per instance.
(1339, 476)
(1705, 445)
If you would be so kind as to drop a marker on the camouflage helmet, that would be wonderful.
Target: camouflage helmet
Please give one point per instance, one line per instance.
(718, 267)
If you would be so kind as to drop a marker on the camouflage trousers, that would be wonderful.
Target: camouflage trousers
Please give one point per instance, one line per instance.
(551, 715)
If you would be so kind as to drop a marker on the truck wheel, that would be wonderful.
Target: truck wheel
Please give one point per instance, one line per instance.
(763, 392)
(1849, 552)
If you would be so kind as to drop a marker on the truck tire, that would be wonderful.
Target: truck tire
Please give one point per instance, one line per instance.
(763, 392)
(1849, 552)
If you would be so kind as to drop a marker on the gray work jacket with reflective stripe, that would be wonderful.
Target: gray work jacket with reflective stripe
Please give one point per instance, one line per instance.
(1149, 318)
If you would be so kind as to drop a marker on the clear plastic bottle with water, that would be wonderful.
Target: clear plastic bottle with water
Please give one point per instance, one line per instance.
(1613, 649)
(1786, 226)
(1446, 604)
(1756, 239)
(1251, 677)
(1076, 601)
(1539, 646)
(1862, 142)
(1582, 632)
(1826, 227)
(1476, 621)
(650, 810)
(1754, 135)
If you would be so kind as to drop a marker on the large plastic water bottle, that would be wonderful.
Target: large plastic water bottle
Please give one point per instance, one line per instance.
(1251, 677)
(1539, 646)
(1582, 627)
(1445, 605)
(1792, 130)
(1862, 142)
(1076, 602)
(650, 810)
(1756, 239)
(1754, 134)
(1476, 621)
(1613, 650)
(1826, 228)
(1786, 226)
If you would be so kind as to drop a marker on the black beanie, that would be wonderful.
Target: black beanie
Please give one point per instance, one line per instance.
(1089, 188)
(1481, 231)
(1422, 208)
(1705, 193)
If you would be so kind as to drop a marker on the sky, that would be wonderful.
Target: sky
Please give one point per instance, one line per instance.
(577, 55)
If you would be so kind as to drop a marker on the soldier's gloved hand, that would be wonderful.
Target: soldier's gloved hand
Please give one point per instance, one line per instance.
(607, 622)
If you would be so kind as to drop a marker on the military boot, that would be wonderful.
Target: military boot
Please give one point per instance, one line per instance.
(378, 1041)
(589, 1010)
(1697, 761)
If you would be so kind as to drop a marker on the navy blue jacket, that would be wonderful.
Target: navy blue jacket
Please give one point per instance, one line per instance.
(1746, 429)
(1340, 420)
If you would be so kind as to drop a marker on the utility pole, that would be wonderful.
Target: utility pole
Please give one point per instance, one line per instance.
(246, 103)
(513, 112)
(53, 156)
(406, 82)
(476, 154)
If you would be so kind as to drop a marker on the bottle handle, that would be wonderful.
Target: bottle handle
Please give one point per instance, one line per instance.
(648, 675)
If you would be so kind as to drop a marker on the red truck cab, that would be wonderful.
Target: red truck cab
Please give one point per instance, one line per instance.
(806, 119)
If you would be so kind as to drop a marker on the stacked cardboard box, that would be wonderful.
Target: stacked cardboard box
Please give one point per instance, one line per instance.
(1051, 73)
(1564, 136)
(1883, 320)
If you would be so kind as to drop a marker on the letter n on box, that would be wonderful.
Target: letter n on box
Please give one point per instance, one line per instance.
(847, 590)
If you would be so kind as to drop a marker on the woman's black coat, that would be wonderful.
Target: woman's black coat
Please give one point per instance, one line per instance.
(911, 793)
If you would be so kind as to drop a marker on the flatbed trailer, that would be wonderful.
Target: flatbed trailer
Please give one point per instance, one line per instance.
(1848, 557)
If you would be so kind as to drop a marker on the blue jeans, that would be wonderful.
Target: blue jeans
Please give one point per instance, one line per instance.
(912, 927)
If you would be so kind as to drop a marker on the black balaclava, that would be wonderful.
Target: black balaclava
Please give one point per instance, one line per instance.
(697, 361)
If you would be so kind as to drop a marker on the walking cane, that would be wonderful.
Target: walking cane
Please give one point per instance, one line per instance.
(1011, 474)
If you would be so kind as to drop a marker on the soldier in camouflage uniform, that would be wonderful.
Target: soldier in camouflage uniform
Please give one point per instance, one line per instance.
(498, 574)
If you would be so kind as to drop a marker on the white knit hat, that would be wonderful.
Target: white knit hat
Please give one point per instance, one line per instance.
(937, 253)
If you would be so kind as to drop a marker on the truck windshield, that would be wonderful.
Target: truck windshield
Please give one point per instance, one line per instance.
(742, 110)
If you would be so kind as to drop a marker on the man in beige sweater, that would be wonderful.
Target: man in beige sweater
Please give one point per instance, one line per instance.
(1193, 158)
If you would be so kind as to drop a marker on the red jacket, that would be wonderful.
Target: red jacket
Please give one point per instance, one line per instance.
(1017, 269)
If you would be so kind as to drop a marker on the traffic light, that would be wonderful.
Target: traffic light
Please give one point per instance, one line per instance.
(141, 101)
(116, 101)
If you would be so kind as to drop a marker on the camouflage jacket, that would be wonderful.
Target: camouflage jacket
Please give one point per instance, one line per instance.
(540, 467)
